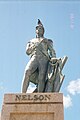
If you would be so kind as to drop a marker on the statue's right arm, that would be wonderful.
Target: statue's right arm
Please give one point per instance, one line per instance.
(29, 48)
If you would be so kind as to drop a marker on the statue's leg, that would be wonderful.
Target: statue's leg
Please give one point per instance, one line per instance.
(30, 68)
(42, 75)
(25, 82)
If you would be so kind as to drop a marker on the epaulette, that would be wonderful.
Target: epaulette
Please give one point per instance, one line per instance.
(50, 40)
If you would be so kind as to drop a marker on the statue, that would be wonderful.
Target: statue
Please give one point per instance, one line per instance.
(43, 69)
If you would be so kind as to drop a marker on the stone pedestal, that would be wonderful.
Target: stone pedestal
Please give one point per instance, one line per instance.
(33, 106)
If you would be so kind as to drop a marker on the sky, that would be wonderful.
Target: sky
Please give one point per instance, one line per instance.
(61, 20)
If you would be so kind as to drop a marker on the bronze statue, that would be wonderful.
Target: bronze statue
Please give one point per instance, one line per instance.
(43, 69)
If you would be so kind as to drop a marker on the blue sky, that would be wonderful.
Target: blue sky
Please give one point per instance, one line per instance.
(62, 24)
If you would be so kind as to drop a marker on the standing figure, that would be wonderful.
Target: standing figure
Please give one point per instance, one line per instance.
(41, 51)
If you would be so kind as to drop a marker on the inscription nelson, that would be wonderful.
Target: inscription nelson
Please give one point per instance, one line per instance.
(35, 97)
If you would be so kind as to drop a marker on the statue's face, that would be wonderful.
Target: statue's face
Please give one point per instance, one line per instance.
(39, 30)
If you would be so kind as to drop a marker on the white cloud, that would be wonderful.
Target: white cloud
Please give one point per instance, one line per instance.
(1, 88)
(67, 101)
(74, 87)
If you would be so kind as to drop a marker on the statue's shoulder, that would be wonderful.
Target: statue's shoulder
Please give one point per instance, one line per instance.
(49, 41)
(32, 40)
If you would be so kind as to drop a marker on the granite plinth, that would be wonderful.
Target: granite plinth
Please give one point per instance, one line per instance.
(33, 106)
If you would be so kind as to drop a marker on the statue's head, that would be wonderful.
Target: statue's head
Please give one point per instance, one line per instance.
(39, 29)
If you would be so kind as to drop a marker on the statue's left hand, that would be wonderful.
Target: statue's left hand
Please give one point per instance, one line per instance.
(53, 60)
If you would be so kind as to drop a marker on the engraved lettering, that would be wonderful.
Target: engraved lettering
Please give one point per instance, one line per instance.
(47, 97)
(29, 97)
(41, 97)
(18, 97)
(24, 97)
(35, 97)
